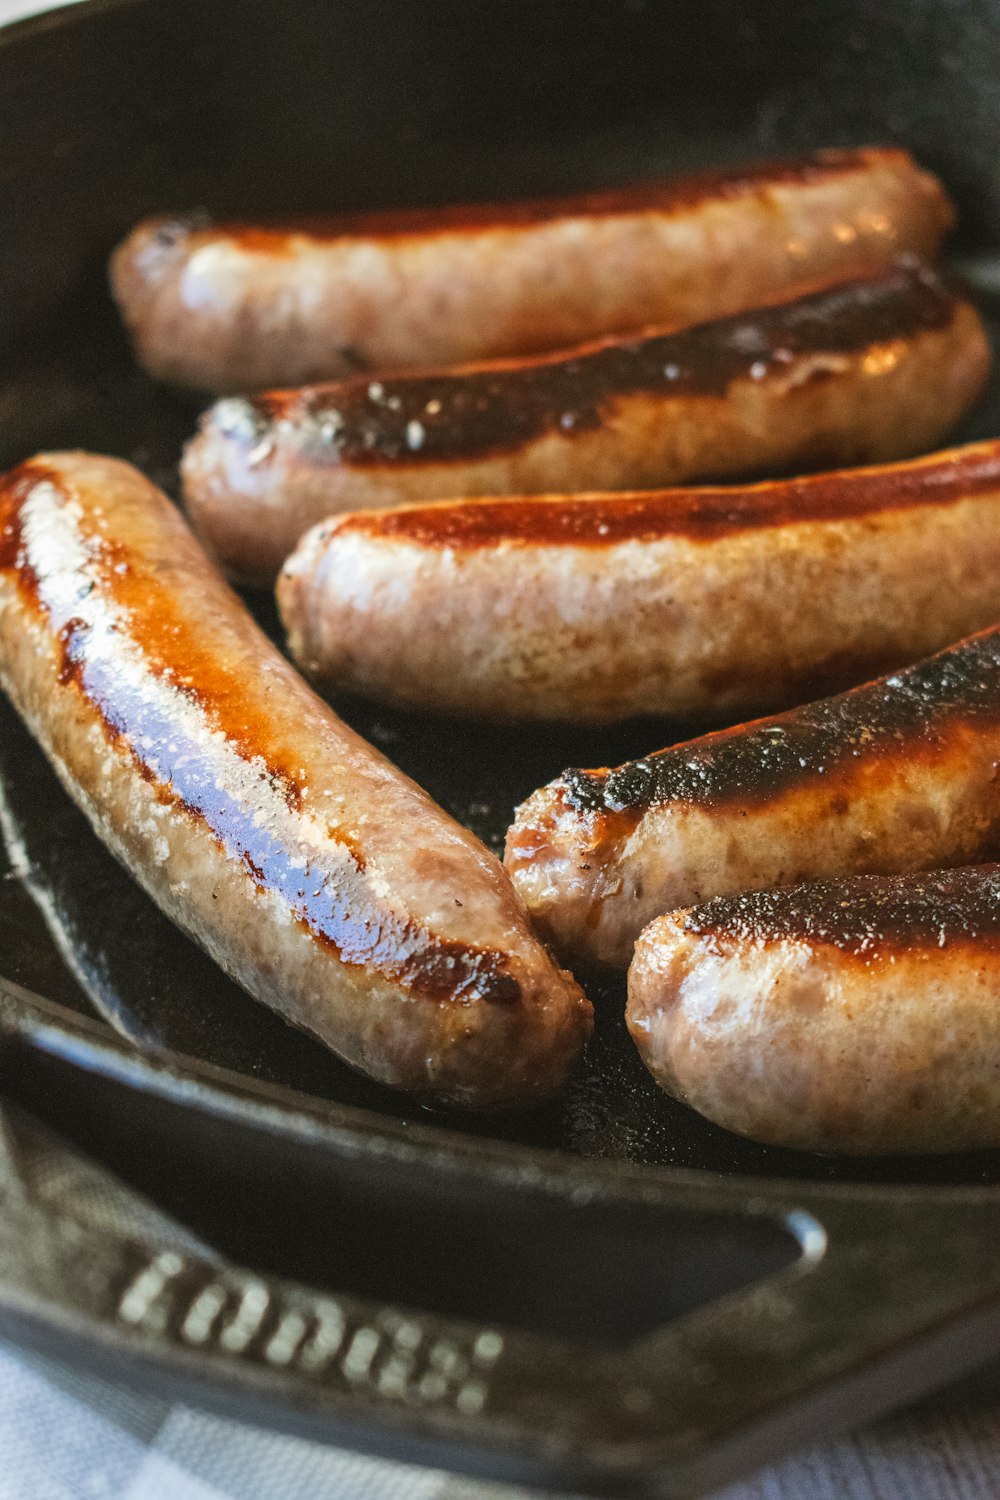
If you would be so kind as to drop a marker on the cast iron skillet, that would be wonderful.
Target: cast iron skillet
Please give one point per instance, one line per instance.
(611, 1295)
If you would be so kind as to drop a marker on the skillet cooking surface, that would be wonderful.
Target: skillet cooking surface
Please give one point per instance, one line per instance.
(77, 386)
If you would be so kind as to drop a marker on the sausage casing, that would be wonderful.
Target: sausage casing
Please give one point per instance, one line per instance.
(680, 602)
(317, 875)
(857, 1015)
(900, 774)
(230, 307)
(866, 371)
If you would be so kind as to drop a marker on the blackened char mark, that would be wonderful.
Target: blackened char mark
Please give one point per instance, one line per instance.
(503, 406)
(874, 918)
(914, 709)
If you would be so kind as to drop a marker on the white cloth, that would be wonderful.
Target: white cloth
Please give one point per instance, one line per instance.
(68, 1436)
(13, 10)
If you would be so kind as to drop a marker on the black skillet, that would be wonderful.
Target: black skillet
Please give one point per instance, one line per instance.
(612, 1295)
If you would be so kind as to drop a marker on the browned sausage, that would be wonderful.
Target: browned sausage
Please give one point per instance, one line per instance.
(900, 774)
(858, 1015)
(595, 607)
(866, 371)
(316, 874)
(230, 307)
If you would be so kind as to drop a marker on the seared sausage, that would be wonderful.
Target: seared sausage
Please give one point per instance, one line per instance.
(229, 307)
(900, 774)
(869, 370)
(856, 1015)
(316, 874)
(595, 607)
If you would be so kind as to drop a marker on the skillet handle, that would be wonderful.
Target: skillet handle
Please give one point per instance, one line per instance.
(888, 1295)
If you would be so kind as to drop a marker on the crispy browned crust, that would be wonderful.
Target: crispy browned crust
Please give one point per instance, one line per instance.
(500, 407)
(914, 714)
(603, 521)
(897, 775)
(871, 920)
(252, 814)
(726, 602)
(870, 370)
(855, 1015)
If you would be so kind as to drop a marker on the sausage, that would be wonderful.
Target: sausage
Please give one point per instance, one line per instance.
(597, 607)
(317, 875)
(869, 370)
(231, 307)
(900, 774)
(856, 1015)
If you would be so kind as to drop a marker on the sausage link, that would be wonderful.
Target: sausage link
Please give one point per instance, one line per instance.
(681, 602)
(317, 875)
(900, 774)
(867, 371)
(230, 307)
(856, 1015)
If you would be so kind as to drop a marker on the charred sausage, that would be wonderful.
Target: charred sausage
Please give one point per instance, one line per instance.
(867, 371)
(682, 602)
(901, 774)
(857, 1015)
(316, 874)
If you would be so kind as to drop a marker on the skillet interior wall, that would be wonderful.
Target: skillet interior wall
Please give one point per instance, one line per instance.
(247, 105)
